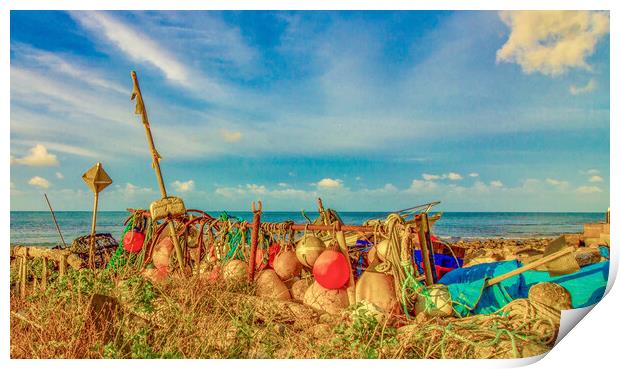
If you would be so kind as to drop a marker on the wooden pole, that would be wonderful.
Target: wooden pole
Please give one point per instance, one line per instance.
(93, 235)
(342, 244)
(426, 246)
(55, 222)
(62, 265)
(141, 109)
(530, 266)
(44, 274)
(254, 240)
(24, 275)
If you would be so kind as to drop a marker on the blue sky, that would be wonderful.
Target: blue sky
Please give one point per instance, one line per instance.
(485, 111)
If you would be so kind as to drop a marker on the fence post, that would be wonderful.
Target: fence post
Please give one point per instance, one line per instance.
(254, 239)
(44, 274)
(24, 274)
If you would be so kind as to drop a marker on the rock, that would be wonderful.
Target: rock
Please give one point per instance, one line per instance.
(588, 255)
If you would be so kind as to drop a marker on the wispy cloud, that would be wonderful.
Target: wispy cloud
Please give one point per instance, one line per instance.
(589, 189)
(135, 44)
(596, 178)
(588, 87)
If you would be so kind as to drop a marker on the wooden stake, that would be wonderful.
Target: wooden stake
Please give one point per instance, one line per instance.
(426, 245)
(44, 274)
(24, 275)
(141, 109)
(62, 265)
(254, 240)
(55, 222)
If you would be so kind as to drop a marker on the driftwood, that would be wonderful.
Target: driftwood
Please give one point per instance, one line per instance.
(57, 255)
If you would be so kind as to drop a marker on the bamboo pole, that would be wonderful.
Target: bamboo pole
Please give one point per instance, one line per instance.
(254, 240)
(55, 222)
(141, 109)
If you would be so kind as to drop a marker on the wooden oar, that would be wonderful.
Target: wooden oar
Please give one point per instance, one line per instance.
(530, 266)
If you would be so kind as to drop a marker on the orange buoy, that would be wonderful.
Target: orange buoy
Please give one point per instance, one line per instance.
(331, 269)
(287, 265)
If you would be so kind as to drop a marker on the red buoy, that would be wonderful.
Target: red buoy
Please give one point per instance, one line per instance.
(331, 269)
(133, 241)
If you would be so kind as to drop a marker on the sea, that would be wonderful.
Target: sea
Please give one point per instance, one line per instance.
(37, 227)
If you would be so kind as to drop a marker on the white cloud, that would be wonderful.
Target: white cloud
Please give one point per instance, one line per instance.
(593, 171)
(137, 45)
(454, 176)
(231, 136)
(474, 174)
(37, 157)
(588, 189)
(551, 42)
(558, 183)
(451, 176)
(329, 183)
(596, 178)
(40, 182)
(183, 186)
(578, 90)
(418, 185)
(497, 184)
(430, 177)
(59, 175)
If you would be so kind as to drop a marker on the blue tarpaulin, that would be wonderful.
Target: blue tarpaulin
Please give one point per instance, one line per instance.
(466, 285)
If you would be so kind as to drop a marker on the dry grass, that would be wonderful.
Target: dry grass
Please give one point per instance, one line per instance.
(187, 318)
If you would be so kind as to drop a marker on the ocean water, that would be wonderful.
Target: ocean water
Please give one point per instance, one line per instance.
(37, 228)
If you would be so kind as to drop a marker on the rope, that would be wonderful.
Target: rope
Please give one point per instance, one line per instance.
(501, 334)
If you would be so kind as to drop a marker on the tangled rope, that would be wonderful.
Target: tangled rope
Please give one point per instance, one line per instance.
(521, 328)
